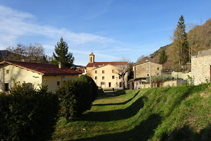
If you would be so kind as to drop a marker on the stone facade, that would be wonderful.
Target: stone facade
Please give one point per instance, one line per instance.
(142, 70)
(200, 68)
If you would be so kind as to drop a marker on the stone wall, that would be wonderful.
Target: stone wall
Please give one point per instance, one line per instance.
(164, 84)
(142, 70)
(182, 75)
(200, 68)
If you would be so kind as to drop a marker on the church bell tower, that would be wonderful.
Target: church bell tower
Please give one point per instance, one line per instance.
(91, 58)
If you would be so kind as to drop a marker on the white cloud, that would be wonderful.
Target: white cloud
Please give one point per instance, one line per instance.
(15, 26)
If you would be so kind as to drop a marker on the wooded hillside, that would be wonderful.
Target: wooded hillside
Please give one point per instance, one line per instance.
(199, 38)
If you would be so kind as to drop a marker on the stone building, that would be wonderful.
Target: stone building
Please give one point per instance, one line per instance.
(143, 70)
(105, 74)
(201, 67)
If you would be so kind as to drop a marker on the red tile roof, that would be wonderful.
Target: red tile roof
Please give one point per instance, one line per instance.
(100, 64)
(44, 69)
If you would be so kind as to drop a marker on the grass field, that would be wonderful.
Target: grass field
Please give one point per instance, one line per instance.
(171, 113)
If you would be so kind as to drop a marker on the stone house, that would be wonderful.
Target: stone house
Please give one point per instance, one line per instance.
(201, 67)
(105, 74)
(143, 70)
(34, 74)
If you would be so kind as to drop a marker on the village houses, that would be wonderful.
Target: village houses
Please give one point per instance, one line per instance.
(105, 74)
(34, 74)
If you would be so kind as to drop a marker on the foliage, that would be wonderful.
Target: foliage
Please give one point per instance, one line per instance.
(163, 57)
(27, 114)
(32, 53)
(170, 113)
(92, 84)
(77, 96)
(199, 38)
(61, 54)
(180, 44)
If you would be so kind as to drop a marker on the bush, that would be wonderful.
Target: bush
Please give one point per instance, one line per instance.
(27, 114)
(77, 96)
(90, 81)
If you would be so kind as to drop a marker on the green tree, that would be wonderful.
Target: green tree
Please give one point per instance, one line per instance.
(61, 54)
(180, 44)
(162, 57)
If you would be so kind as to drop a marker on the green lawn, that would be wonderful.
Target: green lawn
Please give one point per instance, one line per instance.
(171, 113)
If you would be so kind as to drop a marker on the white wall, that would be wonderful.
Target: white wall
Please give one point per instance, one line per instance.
(19, 74)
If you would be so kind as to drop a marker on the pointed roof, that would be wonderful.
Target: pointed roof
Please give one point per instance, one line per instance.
(43, 69)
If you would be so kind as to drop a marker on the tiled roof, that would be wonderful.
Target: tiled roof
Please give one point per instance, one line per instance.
(44, 69)
(100, 64)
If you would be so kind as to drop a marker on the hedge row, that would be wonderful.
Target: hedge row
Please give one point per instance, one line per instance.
(29, 114)
(26, 114)
(77, 96)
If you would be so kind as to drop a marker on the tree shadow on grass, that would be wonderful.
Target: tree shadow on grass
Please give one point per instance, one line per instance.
(122, 103)
(186, 134)
(102, 94)
(142, 132)
(130, 111)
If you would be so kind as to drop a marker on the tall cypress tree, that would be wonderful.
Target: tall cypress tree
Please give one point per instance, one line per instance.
(181, 43)
(162, 57)
(61, 54)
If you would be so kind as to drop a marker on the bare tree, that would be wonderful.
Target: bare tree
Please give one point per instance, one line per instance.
(35, 53)
(122, 69)
(16, 53)
(31, 53)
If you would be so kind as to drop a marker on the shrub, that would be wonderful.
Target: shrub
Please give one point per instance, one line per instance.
(94, 87)
(27, 114)
(77, 96)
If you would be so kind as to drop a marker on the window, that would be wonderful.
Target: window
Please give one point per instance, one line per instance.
(157, 68)
(102, 83)
(95, 77)
(113, 71)
(109, 84)
(120, 77)
(7, 71)
(103, 77)
(96, 71)
(6, 87)
(120, 84)
(147, 74)
(113, 77)
(103, 71)
(157, 73)
(90, 59)
(58, 83)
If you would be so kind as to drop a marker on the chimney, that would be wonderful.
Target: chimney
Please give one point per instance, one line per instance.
(60, 65)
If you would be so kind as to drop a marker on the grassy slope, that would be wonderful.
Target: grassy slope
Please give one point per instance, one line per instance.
(171, 113)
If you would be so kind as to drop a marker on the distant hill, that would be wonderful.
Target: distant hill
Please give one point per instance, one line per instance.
(199, 38)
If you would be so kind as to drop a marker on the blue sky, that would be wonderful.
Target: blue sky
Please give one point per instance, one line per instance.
(111, 29)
